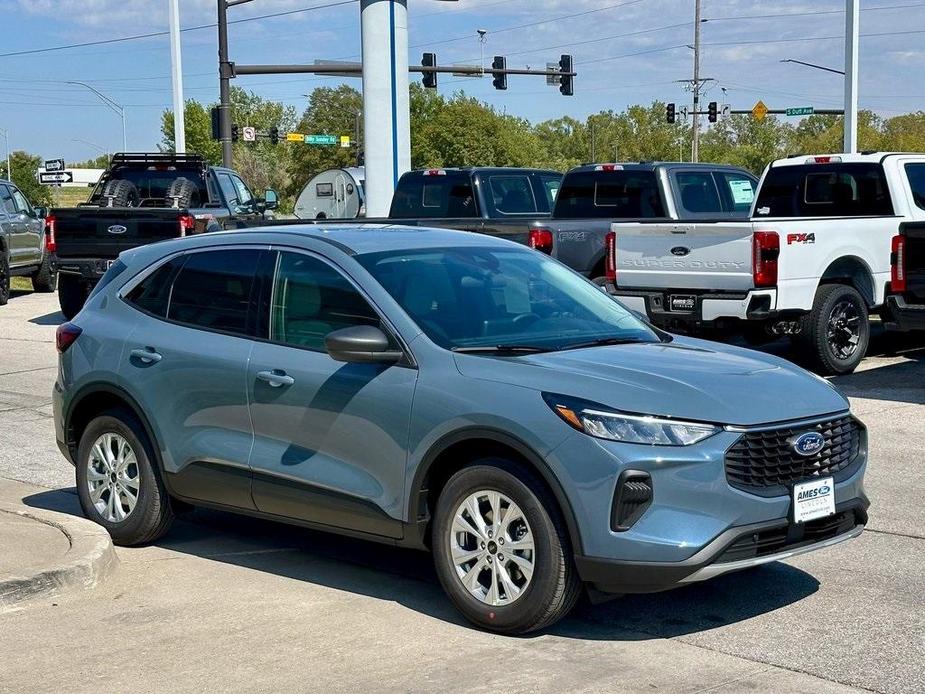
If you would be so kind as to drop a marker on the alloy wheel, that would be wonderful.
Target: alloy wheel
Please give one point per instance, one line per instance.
(492, 548)
(113, 477)
(843, 329)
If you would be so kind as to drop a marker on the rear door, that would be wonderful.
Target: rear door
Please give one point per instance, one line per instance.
(331, 438)
(186, 363)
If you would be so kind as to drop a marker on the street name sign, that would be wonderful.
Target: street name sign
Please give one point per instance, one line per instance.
(321, 139)
(801, 111)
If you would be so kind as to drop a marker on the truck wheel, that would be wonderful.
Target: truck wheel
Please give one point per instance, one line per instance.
(501, 549)
(123, 193)
(45, 280)
(72, 293)
(4, 278)
(184, 192)
(837, 330)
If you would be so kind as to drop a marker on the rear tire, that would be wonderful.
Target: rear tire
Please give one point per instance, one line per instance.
(4, 278)
(122, 193)
(72, 294)
(523, 600)
(45, 280)
(836, 333)
(117, 483)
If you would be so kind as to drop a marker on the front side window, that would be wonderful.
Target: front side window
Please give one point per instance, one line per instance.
(916, 175)
(484, 297)
(310, 300)
(825, 190)
(551, 186)
(245, 197)
(229, 192)
(512, 194)
(6, 200)
(213, 290)
(739, 191)
(22, 205)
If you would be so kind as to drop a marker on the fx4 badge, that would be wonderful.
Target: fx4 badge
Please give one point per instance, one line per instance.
(800, 238)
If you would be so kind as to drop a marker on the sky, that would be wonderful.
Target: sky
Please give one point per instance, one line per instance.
(626, 52)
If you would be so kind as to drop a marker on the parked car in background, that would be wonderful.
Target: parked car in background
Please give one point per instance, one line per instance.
(451, 392)
(905, 308)
(23, 250)
(812, 262)
(143, 198)
(593, 197)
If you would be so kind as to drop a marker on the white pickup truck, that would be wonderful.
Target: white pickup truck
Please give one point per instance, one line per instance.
(812, 262)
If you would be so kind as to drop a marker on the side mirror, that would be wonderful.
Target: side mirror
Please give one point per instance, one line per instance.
(270, 199)
(40, 212)
(362, 344)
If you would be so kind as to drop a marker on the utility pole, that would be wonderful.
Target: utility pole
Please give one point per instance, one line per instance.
(695, 148)
(852, 40)
(176, 65)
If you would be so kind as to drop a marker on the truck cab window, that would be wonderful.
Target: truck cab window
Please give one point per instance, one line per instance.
(825, 190)
(698, 192)
(512, 194)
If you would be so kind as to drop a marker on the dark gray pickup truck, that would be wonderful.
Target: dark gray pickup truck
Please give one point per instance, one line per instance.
(140, 199)
(905, 305)
(23, 250)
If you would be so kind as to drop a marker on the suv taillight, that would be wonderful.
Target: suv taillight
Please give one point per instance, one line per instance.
(187, 224)
(610, 256)
(898, 263)
(541, 240)
(766, 251)
(65, 336)
(50, 244)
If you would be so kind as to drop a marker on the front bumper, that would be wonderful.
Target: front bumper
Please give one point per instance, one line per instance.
(670, 308)
(736, 549)
(904, 316)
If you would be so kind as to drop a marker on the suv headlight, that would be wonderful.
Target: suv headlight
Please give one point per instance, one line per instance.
(603, 423)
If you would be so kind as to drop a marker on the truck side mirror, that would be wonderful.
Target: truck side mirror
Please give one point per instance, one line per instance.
(40, 212)
(270, 199)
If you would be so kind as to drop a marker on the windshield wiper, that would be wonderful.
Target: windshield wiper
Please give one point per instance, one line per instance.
(604, 342)
(503, 349)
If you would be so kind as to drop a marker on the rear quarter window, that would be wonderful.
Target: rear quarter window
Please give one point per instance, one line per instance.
(825, 190)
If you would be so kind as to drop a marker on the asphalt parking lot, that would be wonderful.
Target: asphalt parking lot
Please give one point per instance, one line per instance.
(231, 604)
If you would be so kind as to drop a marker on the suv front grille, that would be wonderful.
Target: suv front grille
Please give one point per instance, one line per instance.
(765, 462)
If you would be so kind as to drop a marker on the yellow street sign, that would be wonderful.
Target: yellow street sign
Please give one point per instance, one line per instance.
(760, 111)
(295, 137)
(345, 141)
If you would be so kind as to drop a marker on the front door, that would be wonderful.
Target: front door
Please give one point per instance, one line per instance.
(330, 438)
(31, 229)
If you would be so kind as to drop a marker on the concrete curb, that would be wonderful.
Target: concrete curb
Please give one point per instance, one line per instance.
(90, 559)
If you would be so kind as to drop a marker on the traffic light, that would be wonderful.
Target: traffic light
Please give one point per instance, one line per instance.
(274, 135)
(234, 133)
(430, 78)
(566, 81)
(216, 123)
(670, 113)
(713, 112)
(500, 80)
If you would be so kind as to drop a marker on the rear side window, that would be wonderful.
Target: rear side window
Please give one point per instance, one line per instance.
(624, 194)
(825, 190)
(213, 290)
(698, 192)
(431, 197)
(916, 175)
(152, 295)
(512, 194)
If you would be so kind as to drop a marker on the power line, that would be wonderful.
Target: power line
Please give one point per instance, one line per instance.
(136, 37)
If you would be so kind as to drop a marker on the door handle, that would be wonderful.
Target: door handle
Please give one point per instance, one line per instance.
(147, 355)
(276, 379)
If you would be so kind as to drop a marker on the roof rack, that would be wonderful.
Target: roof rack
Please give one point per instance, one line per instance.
(156, 158)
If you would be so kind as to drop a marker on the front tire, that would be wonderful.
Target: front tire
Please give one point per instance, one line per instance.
(501, 549)
(837, 331)
(72, 293)
(45, 280)
(117, 483)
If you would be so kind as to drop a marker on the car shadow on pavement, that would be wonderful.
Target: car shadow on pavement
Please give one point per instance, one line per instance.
(407, 577)
(56, 318)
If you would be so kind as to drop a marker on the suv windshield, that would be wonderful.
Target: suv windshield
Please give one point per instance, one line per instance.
(515, 300)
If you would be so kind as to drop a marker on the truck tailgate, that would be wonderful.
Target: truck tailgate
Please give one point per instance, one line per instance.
(104, 232)
(684, 255)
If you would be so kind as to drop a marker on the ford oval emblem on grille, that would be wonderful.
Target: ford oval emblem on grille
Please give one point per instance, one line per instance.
(809, 443)
(680, 250)
(117, 229)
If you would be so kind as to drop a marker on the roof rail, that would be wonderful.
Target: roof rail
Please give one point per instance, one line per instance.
(156, 158)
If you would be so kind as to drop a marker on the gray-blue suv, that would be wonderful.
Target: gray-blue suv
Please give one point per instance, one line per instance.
(450, 392)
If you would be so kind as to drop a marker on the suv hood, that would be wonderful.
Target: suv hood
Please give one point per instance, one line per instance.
(684, 379)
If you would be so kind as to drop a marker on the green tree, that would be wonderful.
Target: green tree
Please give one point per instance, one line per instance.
(743, 141)
(198, 126)
(100, 162)
(24, 169)
(904, 133)
(819, 134)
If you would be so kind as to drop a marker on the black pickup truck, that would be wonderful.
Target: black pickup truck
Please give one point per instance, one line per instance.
(905, 306)
(142, 198)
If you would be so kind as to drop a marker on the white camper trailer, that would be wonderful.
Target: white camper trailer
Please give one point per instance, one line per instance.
(333, 194)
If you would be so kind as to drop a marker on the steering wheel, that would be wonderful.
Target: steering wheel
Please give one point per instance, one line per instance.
(523, 319)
